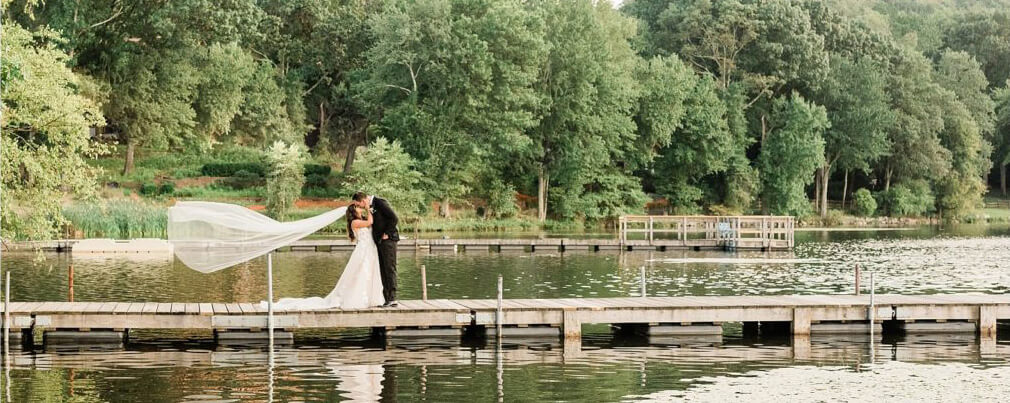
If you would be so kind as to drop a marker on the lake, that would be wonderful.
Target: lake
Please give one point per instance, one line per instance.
(349, 365)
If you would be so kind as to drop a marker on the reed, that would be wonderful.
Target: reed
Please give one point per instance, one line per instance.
(117, 219)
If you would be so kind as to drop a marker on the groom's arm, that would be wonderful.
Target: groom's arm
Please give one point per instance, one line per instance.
(387, 212)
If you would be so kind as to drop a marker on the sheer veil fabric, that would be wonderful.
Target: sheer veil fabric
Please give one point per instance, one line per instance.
(210, 236)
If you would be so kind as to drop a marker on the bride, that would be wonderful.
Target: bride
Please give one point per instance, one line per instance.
(360, 286)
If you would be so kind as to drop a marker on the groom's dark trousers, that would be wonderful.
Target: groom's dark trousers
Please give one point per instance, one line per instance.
(384, 223)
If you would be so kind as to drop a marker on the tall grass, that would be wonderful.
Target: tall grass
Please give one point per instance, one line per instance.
(117, 219)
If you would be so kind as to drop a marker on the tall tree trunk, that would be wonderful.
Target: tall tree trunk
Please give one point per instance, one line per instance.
(825, 178)
(131, 148)
(1002, 178)
(542, 181)
(845, 187)
(443, 208)
(887, 179)
(817, 189)
(349, 158)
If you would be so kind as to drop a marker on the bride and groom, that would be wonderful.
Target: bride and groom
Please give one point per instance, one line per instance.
(369, 279)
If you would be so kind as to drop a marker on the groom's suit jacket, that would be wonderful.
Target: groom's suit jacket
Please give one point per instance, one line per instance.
(384, 221)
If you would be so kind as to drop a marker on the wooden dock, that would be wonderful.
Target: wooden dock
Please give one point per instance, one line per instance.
(635, 233)
(802, 313)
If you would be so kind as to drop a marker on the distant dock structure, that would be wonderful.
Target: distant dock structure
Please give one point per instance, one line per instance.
(635, 233)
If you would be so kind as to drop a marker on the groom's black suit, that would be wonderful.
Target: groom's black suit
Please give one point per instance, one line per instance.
(384, 222)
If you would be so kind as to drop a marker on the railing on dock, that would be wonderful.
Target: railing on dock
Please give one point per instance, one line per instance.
(773, 232)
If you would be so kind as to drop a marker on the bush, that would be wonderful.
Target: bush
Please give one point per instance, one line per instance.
(316, 180)
(316, 169)
(166, 188)
(149, 189)
(385, 169)
(232, 168)
(908, 200)
(863, 203)
(287, 175)
(242, 180)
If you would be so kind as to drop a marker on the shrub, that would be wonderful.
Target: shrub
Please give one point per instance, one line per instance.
(148, 189)
(316, 169)
(166, 188)
(501, 200)
(242, 180)
(385, 169)
(232, 168)
(286, 177)
(316, 180)
(863, 203)
(906, 200)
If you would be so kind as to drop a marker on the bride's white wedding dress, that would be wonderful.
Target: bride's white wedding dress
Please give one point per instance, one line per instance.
(360, 286)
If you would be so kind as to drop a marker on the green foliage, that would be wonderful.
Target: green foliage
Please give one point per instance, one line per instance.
(117, 219)
(908, 200)
(792, 151)
(863, 203)
(316, 169)
(149, 189)
(285, 178)
(386, 170)
(233, 168)
(44, 138)
(166, 188)
(501, 199)
(702, 146)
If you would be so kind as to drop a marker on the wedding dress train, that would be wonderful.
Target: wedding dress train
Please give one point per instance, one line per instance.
(360, 286)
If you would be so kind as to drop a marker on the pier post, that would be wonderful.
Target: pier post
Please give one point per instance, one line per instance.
(499, 315)
(987, 321)
(70, 283)
(856, 279)
(270, 297)
(571, 324)
(424, 284)
(801, 321)
(642, 275)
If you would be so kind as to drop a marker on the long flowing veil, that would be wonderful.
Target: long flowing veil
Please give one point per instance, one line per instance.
(210, 236)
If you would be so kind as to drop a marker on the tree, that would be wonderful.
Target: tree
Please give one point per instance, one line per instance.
(703, 146)
(968, 121)
(858, 108)
(385, 169)
(585, 127)
(450, 79)
(1002, 129)
(985, 35)
(285, 177)
(915, 150)
(47, 113)
(793, 150)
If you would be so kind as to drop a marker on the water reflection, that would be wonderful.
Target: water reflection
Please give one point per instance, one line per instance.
(608, 368)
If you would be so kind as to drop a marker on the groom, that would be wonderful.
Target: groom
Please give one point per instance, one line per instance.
(386, 236)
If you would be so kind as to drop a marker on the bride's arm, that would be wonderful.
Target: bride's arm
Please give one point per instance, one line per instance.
(369, 219)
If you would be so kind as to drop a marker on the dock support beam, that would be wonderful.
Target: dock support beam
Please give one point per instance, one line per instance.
(572, 326)
(801, 321)
(987, 321)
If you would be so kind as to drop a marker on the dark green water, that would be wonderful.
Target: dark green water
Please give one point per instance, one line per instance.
(350, 366)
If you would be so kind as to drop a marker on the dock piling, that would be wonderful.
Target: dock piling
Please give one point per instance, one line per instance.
(498, 313)
(857, 279)
(424, 284)
(642, 275)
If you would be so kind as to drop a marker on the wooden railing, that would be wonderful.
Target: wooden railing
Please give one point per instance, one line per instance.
(728, 231)
(997, 204)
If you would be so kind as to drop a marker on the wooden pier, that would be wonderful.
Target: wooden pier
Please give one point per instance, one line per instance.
(636, 233)
(800, 314)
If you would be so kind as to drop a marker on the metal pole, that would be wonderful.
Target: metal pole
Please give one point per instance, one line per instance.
(7, 336)
(498, 313)
(270, 300)
(642, 277)
(857, 279)
(424, 284)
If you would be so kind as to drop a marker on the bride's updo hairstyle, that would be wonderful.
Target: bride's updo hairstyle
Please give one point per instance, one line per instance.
(351, 215)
